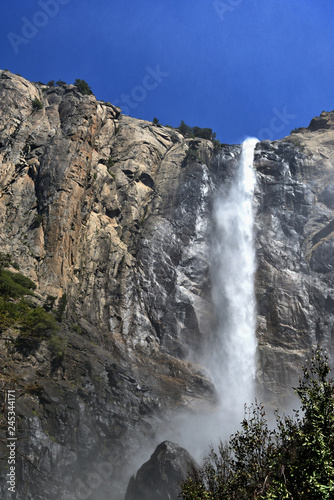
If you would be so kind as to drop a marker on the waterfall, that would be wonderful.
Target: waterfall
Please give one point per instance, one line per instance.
(232, 357)
(233, 266)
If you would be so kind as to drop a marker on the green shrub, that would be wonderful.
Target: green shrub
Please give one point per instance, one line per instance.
(22, 280)
(191, 156)
(51, 83)
(49, 303)
(83, 87)
(11, 313)
(5, 260)
(37, 323)
(216, 144)
(203, 133)
(15, 284)
(36, 103)
(184, 129)
(76, 328)
(57, 346)
(61, 308)
(294, 461)
(38, 220)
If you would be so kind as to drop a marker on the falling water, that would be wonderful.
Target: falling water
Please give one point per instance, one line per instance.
(232, 364)
(233, 268)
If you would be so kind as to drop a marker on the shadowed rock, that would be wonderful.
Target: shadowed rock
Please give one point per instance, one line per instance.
(160, 477)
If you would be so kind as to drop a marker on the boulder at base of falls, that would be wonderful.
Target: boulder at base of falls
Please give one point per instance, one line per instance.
(159, 478)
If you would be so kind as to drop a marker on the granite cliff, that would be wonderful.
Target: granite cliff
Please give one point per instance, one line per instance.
(110, 217)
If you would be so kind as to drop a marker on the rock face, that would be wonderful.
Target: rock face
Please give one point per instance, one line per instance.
(160, 477)
(104, 211)
(112, 216)
(295, 238)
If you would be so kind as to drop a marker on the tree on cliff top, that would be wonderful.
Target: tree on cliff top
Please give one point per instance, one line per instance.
(294, 461)
(83, 87)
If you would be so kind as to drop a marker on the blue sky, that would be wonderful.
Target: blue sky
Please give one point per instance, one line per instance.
(241, 67)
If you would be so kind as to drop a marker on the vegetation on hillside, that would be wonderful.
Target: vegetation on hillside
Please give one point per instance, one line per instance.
(80, 84)
(19, 313)
(36, 103)
(83, 87)
(293, 461)
(193, 132)
(203, 133)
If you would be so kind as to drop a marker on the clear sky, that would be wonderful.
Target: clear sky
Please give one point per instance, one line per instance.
(241, 67)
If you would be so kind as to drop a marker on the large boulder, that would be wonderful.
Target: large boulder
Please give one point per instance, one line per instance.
(160, 477)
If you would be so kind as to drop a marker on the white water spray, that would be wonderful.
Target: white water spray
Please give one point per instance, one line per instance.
(233, 268)
(232, 361)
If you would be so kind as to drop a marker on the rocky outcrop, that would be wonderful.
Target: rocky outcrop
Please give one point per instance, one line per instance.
(295, 259)
(160, 477)
(111, 216)
(103, 211)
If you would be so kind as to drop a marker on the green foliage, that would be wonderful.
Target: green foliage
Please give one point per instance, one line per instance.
(49, 303)
(184, 129)
(204, 133)
(216, 144)
(293, 461)
(155, 121)
(51, 83)
(11, 313)
(76, 328)
(36, 103)
(60, 83)
(296, 130)
(38, 220)
(83, 87)
(57, 346)
(33, 323)
(192, 155)
(61, 308)
(21, 280)
(15, 284)
(37, 323)
(5, 260)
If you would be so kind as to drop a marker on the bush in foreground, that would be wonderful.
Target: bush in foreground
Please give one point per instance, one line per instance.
(294, 461)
